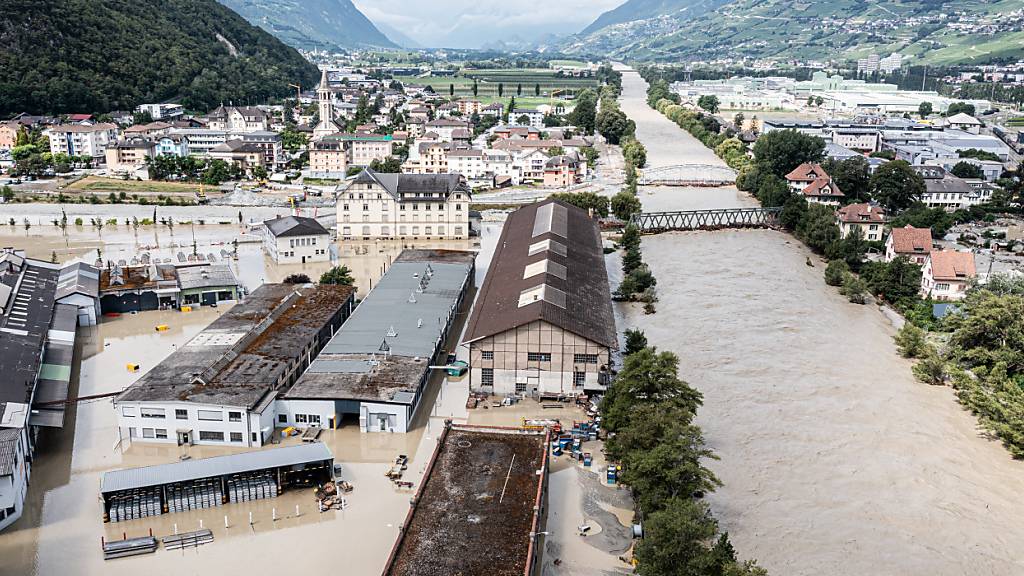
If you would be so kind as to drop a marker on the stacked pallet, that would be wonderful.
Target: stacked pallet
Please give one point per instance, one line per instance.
(196, 495)
(129, 547)
(253, 486)
(135, 504)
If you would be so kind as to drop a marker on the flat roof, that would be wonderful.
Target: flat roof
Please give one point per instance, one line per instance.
(23, 326)
(238, 358)
(148, 476)
(477, 507)
(384, 348)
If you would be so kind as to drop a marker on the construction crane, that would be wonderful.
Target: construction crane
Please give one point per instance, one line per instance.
(298, 92)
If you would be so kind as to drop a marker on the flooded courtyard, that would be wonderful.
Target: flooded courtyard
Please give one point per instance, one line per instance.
(834, 459)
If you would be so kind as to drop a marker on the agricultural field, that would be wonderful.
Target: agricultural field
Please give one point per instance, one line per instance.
(510, 80)
(100, 184)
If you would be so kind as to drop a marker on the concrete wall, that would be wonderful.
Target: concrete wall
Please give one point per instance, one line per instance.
(386, 218)
(398, 416)
(14, 486)
(512, 366)
(289, 409)
(132, 423)
(298, 249)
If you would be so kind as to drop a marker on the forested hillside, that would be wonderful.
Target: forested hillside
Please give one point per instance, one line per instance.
(59, 56)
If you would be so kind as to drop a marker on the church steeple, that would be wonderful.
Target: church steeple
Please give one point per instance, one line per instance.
(326, 125)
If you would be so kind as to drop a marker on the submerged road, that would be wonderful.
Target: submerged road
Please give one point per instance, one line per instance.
(835, 460)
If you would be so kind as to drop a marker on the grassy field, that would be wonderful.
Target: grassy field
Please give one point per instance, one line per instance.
(489, 80)
(100, 184)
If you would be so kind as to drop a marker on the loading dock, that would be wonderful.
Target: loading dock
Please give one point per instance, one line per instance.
(204, 483)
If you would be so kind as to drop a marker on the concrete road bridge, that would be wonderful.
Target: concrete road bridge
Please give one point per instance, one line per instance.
(703, 175)
(718, 219)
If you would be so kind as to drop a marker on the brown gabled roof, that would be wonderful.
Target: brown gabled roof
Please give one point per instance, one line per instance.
(576, 296)
(952, 265)
(862, 212)
(910, 240)
(807, 172)
(819, 185)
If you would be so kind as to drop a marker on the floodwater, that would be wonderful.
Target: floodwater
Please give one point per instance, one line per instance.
(834, 459)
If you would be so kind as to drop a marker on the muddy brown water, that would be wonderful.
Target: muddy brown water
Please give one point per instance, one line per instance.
(835, 460)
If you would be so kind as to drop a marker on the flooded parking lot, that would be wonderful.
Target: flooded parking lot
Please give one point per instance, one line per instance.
(834, 459)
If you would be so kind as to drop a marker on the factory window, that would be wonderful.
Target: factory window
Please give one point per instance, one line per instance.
(180, 414)
(584, 358)
(520, 387)
(344, 206)
(128, 411)
(148, 433)
(236, 436)
(487, 377)
(211, 436)
(151, 412)
(487, 354)
(538, 357)
(366, 207)
(161, 433)
(282, 418)
(579, 378)
(234, 416)
(211, 415)
(300, 418)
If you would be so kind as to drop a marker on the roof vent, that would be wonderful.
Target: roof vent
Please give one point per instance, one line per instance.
(391, 332)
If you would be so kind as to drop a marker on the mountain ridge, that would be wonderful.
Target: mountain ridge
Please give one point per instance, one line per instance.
(310, 24)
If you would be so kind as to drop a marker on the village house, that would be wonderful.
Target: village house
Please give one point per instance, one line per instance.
(429, 158)
(328, 158)
(165, 112)
(377, 205)
(947, 274)
(78, 140)
(562, 171)
(482, 167)
(816, 186)
(127, 156)
(869, 219)
(543, 322)
(913, 243)
(246, 155)
(944, 190)
(173, 144)
(238, 119)
(8, 134)
(149, 130)
(526, 117)
(445, 128)
(296, 240)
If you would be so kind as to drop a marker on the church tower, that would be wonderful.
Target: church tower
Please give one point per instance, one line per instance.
(326, 126)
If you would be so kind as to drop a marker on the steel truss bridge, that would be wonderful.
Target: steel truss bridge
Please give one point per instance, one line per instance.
(718, 219)
(703, 175)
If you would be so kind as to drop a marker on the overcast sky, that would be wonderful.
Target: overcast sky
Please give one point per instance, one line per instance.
(472, 23)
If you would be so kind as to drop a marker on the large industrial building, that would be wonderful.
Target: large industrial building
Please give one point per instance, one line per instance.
(221, 386)
(481, 509)
(37, 342)
(376, 367)
(543, 321)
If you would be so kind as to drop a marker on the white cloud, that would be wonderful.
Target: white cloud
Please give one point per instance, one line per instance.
(471, 23)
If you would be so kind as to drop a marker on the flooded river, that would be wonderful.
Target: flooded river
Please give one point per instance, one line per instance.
(835, 460)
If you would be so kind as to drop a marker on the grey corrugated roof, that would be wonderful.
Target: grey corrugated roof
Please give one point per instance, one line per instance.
(206, 276)
(8, 448)
(160, 474)
(78, 278)
(295, 226)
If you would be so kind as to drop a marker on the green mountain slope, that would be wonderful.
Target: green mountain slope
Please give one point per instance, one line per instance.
(63, 56)
(311, 24)
(644, 9)
(927, 31)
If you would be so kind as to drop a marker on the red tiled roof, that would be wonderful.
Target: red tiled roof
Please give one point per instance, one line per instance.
(862, 212)
(807, 172)
(952, 265)
(910, 240)
(819, 185)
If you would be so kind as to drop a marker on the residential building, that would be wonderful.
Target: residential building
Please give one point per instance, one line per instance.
(173, 144)
(364, 148)
(816, 186)
(531, 164)
(863, 139)
(543, 321)
(127, 156)
(964, 122)
(269, 143)
(431, 157)
(246, 155)
(8, 134)
(495, 109)
(238, 119)
(220, 388)
(162, 111)
(947, 274)
(375, 368)
(562, 171)
(201, 140)
(328, 157)
(869, 219)
(469, 107)
(459, 484)
(377, 205)
(445, 128)
(482, 167)
(148, 130)
(296, 240)
(78, 140)
(943, 189)
(915, 244)
(533, 117)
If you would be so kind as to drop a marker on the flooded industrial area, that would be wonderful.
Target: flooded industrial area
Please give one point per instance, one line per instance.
(62, 529)
(834, 459)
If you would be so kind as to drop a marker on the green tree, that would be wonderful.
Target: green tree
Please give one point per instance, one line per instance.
(854, 288)
(818, 227)
(647, 377)
(773, 191)
(963, 169)
(634, 152)
(780, 151)
(852, 176)
(389, 165)
(709, 103)
(836, 272)
(451, 89)
(613, 124)
(911, 341)
(931, 368)
(630, 237)
(586, 201)
(519, 89)
(501, 89)
(338, 275)
(793, 212)
(584, 114)
(636, 341)
(476, 88)
(896, 185)
(536, 89)
(674, 537)
(625, 204)
(924, 109)
(960, 107)
(897, 282)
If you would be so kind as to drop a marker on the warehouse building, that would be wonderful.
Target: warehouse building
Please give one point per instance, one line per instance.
(543, 322)
(220, 387)
(481, 509)
(376, 367)
(37, 339)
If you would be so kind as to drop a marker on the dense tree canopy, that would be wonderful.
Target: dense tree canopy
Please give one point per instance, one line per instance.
(780, 151)
(62, 56)
(897, 186)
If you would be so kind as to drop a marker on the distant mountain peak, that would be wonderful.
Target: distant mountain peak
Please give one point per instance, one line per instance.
(312, 24)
